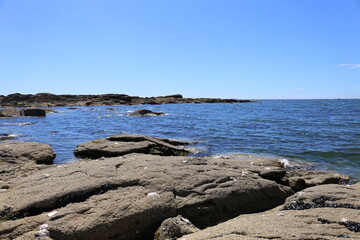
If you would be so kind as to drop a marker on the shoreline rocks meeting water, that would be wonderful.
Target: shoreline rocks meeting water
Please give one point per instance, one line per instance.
(13, 112)
(121, 192)
(53, 100)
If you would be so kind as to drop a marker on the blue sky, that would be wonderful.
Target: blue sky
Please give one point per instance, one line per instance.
(246, 49)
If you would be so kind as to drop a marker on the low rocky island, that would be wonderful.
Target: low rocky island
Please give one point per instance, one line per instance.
(53, 100)
(122, 190)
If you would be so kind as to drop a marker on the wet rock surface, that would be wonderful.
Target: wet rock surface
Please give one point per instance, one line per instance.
(6, 136)
(52, 100)
(120, 145)
(129, 197)
(144, 113)
(322, 212)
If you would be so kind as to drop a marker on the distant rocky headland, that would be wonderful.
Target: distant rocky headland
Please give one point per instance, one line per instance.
(53, 100)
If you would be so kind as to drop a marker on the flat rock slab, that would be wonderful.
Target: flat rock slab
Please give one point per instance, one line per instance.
(128, 197)
(120, 145)
(328, 212)
(299, 179)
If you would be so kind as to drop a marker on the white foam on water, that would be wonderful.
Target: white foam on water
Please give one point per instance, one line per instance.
(285, 163)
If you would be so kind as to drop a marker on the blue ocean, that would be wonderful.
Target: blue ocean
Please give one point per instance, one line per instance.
(323, 133)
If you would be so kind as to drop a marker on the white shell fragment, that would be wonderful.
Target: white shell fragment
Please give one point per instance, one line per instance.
(52, 213)
(185, 220)
(153, 195)
(244, 173)
(43, 231)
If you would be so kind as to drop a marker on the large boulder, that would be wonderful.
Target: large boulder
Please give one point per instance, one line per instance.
(33, 112)
(129, 143)
(128, 197)
(323, 212)
(40, 153)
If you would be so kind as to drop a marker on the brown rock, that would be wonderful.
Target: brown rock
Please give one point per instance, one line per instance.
(315, 177)
(128, 143)
(40, 153)
(128, 197)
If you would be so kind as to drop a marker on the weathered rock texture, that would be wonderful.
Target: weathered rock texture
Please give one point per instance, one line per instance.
(19, 159)
(52, 100)
(128, 197)
(322, 212)
(120, 145)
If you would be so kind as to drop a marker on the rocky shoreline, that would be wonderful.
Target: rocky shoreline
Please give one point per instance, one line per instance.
(53, 100)
(134, 187)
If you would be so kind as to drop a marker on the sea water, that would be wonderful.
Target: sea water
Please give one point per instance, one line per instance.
(325, 133)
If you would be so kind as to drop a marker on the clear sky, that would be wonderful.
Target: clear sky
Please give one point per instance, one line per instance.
(246, 49)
